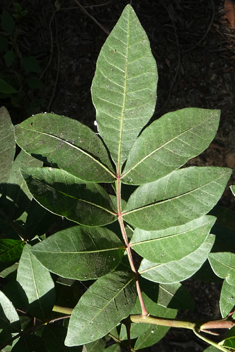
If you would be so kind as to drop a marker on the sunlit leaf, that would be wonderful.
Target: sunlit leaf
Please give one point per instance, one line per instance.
(7, 145)
(96, 346)
(227, 298)
(124, 86)
(37, 283)
(9, 319)
(169, 143)
(173, 243)
(177, 198)
(67, 195)
(80, 253)
(106, 302)
(179, 270)
(223, 264)
(67, 144)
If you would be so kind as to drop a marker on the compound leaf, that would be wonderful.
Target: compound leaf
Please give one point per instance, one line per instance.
(106, 302)
(177, 270)
(66, 195)
(177, 198)
(169, 143)
(80, 253)
(67, 144)
(124, 86)
(173, 243)
(37, 283)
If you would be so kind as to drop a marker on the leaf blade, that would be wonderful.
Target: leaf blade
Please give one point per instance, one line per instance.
(183, 194)
(169, 143)
(124, 86)
(66, 195)
(106, 302)
(37, 283)
(173, 243)
(80, 253)
(180, 270)
(67, 144)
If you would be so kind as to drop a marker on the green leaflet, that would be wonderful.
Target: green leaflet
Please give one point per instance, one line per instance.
(176, 198)
(66, 195)
(124, 87)
(37, 283)
(178, 270)
(80, 253)
(9, 319)
(7, 145)
(223, 265)
(109, 300)
(169, 143)
(67, 144)
(227, 298)
(173, 243)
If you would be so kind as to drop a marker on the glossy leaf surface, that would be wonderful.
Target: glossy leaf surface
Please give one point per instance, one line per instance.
(65, 143)
(80, 253)
(176, 198)
(67, 195)
(109, 300)
(177, 271)
(169, 143)
(173, 243)
(124, 86)
(223, 264)
(7, 144)
(37, 283)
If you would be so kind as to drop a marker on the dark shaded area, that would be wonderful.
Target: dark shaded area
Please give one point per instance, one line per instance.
(195, 53)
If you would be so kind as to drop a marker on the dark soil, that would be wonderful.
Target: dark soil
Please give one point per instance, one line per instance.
(195, 53)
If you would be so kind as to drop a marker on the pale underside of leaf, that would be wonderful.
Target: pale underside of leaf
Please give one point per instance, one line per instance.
(169, 143)
(227, 297)
(67, 144)
(124, 86)
(7, 144)
(223, 264)
(109, 300)
(180, 270)
(66, 195)
(80, 253)
(177, 198)
(173, 243)
(37, 283)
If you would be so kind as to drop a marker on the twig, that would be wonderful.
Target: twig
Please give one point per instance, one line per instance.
(93, 18)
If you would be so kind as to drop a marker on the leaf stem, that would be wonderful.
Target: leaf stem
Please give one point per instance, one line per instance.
(128, 248)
